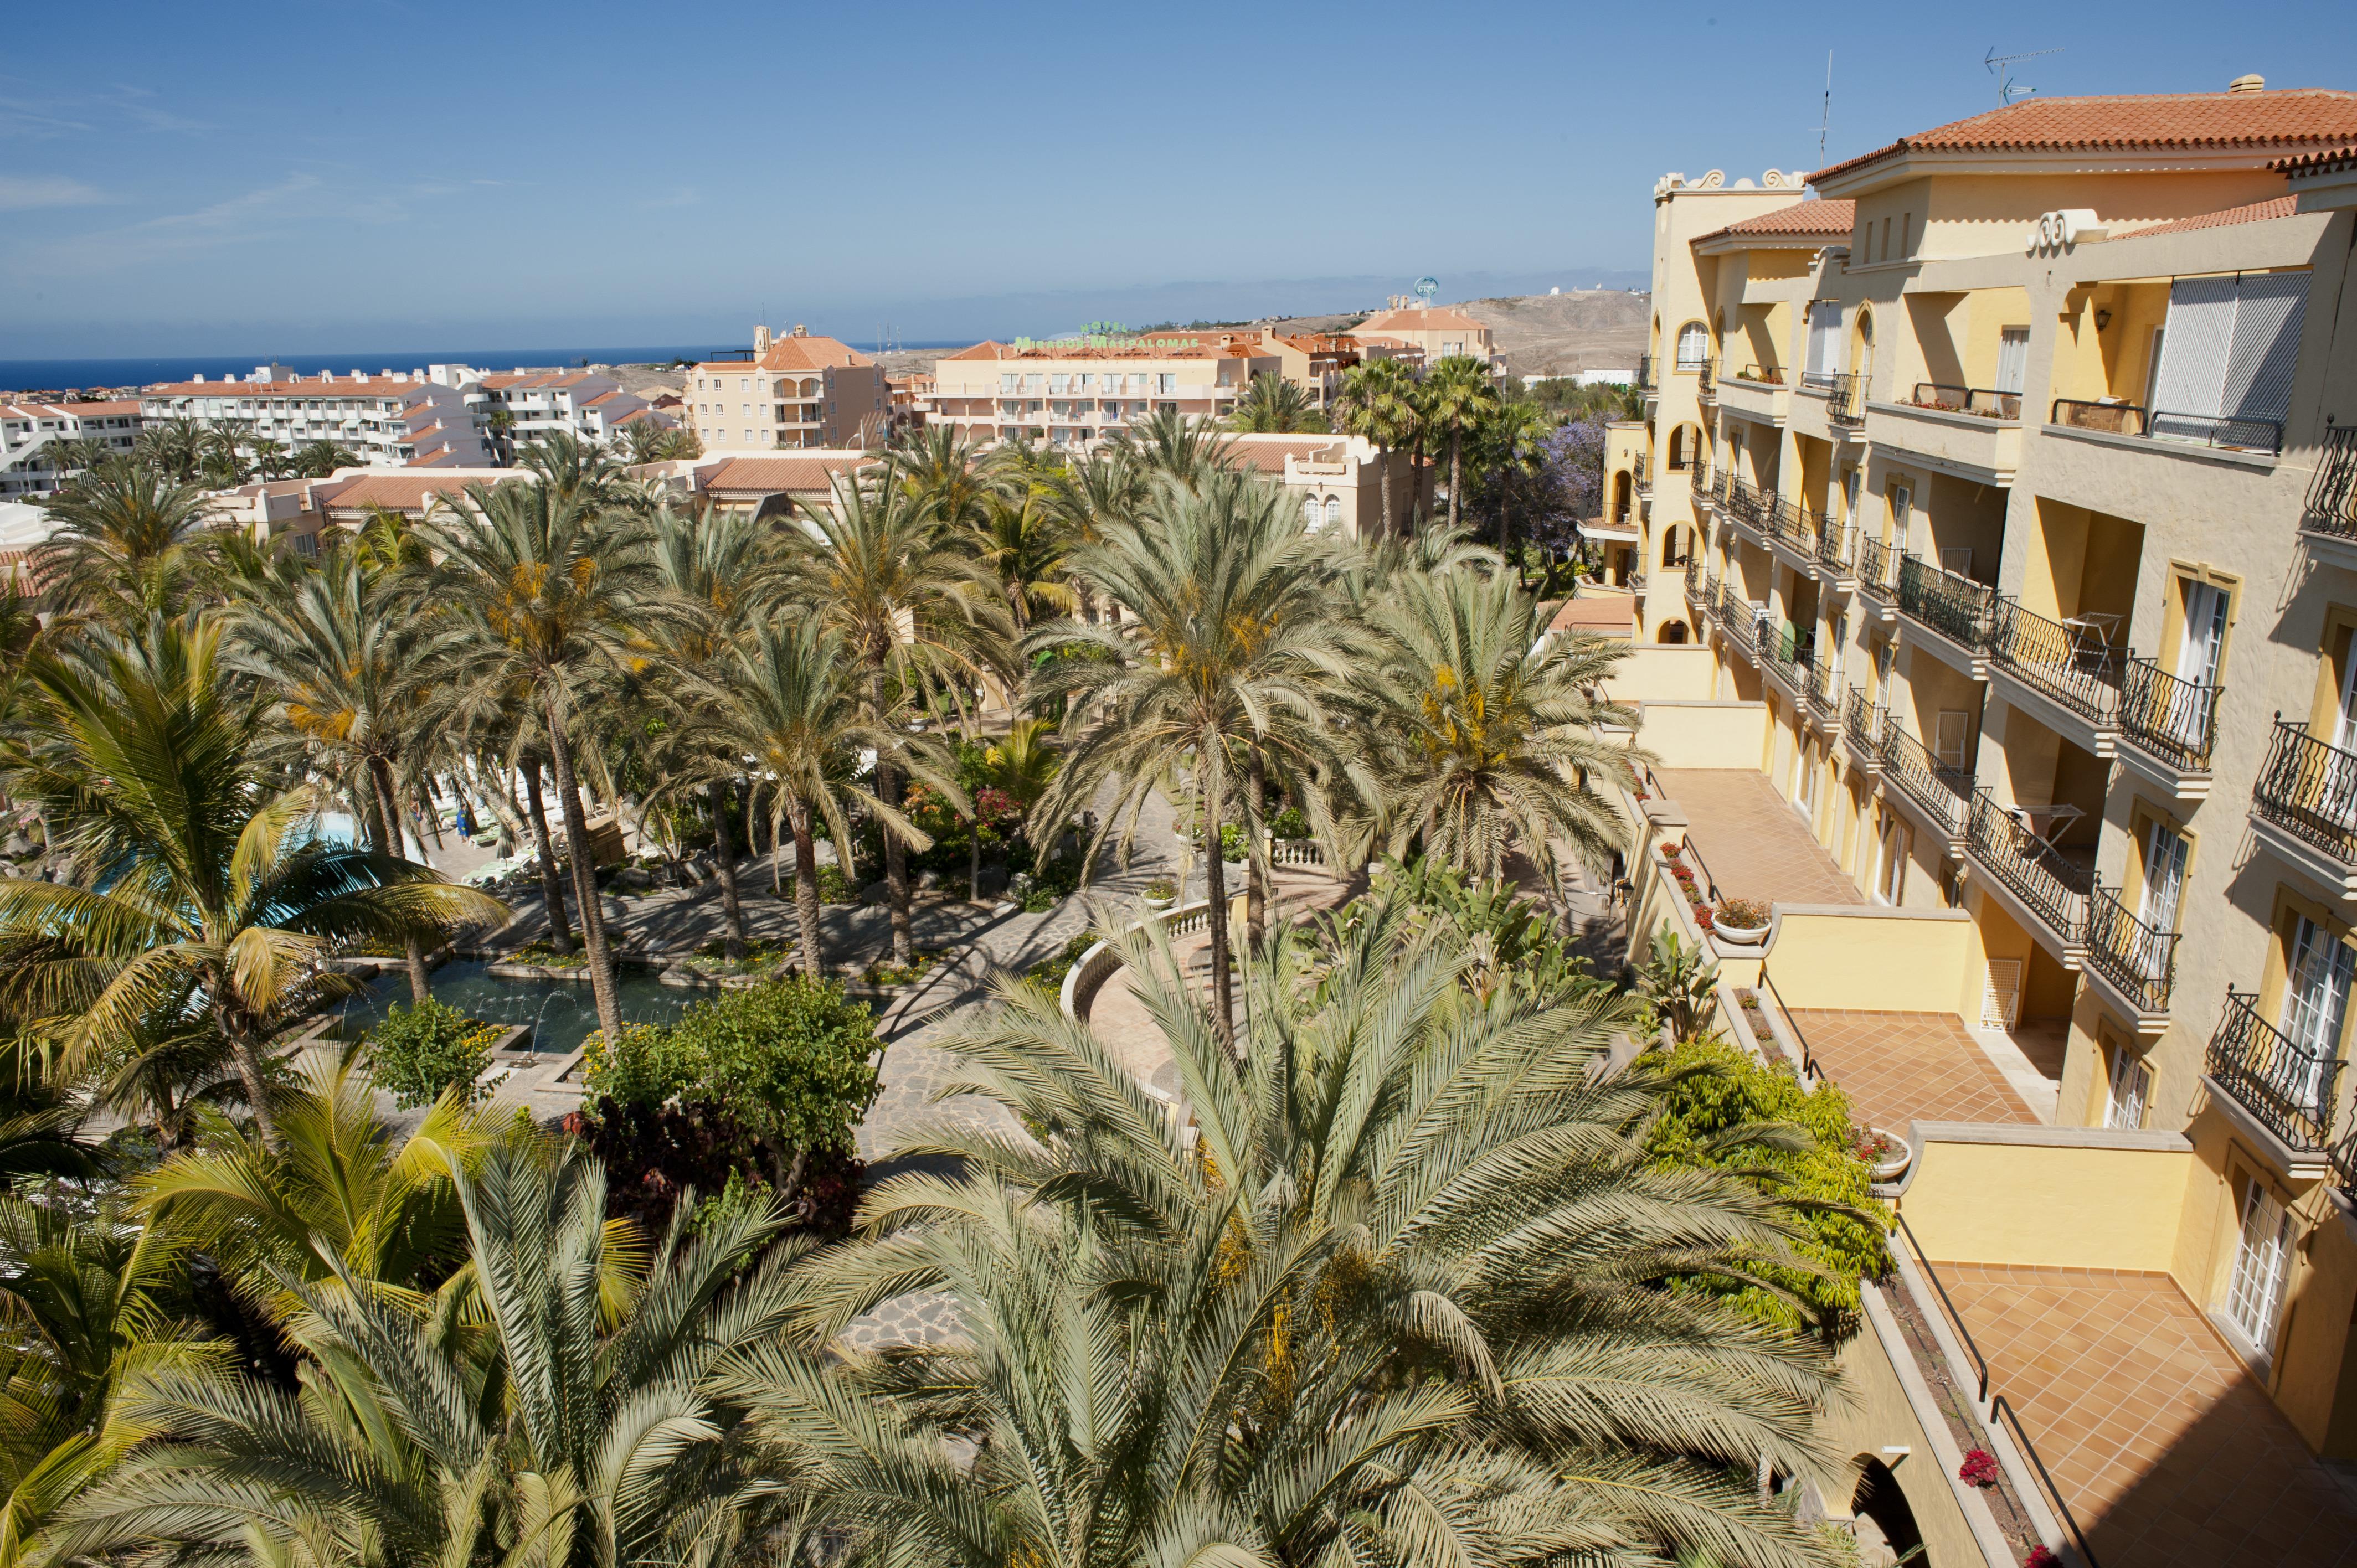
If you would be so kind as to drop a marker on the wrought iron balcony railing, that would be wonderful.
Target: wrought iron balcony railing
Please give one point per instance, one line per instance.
(1825, 688)
(2055, 888)
(2289, 1086)
(1747, 504)
(2070, 664)
(2310, 791)
(1862, 721)
(2331, 506)
(2236, 431)
(2139, 959)
(1703, 370)
(1877, 566)
(2174, 719)
(1942, 790)
(1957, 608)
(1835, 546)
(1794, 524)
(1740, 624)
(1783, 657)
(1985, 400)
(1846, 401)
(1699, 480)
(1648, 377)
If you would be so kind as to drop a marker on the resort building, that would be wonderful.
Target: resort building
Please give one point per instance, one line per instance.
(766, 486)
(516, 408)
(1435, 331)
(1990, 543)
(387, 420)
(30, 434)
(1077, 390)
(792, 391)
(1338, 479)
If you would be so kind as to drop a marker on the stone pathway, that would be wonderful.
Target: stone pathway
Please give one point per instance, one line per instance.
(1756, 844)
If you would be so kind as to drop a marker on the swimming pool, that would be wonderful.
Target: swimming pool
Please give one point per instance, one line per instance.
(561, 1012)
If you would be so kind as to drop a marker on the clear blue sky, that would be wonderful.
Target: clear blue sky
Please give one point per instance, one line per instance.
(294, 178)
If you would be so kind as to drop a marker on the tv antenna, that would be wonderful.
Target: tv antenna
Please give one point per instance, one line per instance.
(2001, 67)
(1825, 122)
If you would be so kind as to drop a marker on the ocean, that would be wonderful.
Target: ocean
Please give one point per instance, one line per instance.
(61, 375)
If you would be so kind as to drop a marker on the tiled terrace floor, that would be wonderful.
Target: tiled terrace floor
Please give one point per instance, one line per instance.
(2165, 1448)
(1756, 844)
(1897, 1067)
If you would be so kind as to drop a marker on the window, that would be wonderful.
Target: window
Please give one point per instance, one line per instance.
(1309, 512)
(1825, 339)
(1951, 738)
(1333, 511)
(1694, 345)
(1889, 860)
(2164, 881)
(744, 383)
(2262, 1264)
(2012, 359)
(1902, 511)
(2229, 348)
(1169, 380)
(2131, 1090)
(2315, 1003)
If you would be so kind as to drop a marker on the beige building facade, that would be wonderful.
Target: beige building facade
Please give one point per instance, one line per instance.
(1075, 391)
(794, 390)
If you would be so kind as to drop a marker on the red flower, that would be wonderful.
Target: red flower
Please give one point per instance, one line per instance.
(1979, 1469)
(2040, 1557)
(1702, 916)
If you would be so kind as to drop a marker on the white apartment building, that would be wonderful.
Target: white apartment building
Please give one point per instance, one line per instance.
(588, 405)
(389, 420)
(29, 434)
(1073, 392)
(797, 391)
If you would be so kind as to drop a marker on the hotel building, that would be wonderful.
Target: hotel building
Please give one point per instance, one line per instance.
(517, 408)
(30, 431)
(1075, 392)
(1990, 543)
(1435, 331)
(795, 391)
(387, 420)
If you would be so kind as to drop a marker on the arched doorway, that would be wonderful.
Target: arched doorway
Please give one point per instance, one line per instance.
(1884, 1522)
(1621, 495)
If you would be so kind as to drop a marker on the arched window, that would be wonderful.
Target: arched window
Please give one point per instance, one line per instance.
(1694, 345)
(1672, 631)
(1309, 512)
(1861, 341)
(810, 386)
(1334, 510)
(1621, 495)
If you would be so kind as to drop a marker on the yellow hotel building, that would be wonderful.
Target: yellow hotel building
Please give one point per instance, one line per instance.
(1991, 536)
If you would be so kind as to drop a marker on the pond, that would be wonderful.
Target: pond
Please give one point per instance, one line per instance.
(560, 1012)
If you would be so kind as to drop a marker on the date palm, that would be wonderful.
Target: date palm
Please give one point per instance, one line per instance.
(317, 459)
(75, 456)
(544, 592)
(126, 541)
(915, 615)
(1487, 726)
(1188, 448)
(550, 1409)
(1378, 400)
(202, 893)
(1274, 405)
(950, 481)
(174, 447)
(1458, 395)
(1229, 655)
(1022, 546)
(1397, 1280)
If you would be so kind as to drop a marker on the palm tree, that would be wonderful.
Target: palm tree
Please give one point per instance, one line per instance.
(1378, 401)
(85, 1300)
(889, 578)
(224, 461)
(949, 480)
(1488, 726)
(646, 441)
(1460, 395)
(202, 894)
(126, 541)
(1110, 486)
(550, 1410)
(1403, 1282)
(174, 447)
(1022, 546)
(346, 668)
(792, 701)
(1188, 448)
(317, 459)
(1512, 444)
(1274, 405)
(547, 591)
(1231, 648)
(76, 455)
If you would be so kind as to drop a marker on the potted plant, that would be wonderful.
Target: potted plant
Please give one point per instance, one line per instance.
(1887, 1155)
(1233, 848)
(1740, 920)
(1161, 895)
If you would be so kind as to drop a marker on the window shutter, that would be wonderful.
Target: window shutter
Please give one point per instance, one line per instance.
(2267, 312)
(2199, 339)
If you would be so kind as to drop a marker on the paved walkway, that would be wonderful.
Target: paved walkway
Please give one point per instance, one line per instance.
(2165, 1448)
(1754, 842)
(1899, 1066)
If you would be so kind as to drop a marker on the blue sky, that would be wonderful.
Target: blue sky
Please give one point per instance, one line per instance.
(301, 177)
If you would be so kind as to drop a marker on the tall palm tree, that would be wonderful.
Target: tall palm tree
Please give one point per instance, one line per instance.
(1109, 486)
(174, 447)
(346, 668)
(1377, 401)
(1398, 1280)
(126, 541)
(89, 1328)
(1488, 727)
(1274, 406)
(75, 456)
(546, 592)
(792, 700)
(1459, 394)
(1188, 448)
(1232, 648)
(317, 459)
(224, 462)
(544, 1411)
(890, 579)
(1022, 546)
(951, 481)
(1512, 443)
(200, 894)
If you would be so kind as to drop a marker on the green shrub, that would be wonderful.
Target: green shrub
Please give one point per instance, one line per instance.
(421, 1051)
(1049, 973)
(1840, 1226)
(1232, 843)
(1289, 823)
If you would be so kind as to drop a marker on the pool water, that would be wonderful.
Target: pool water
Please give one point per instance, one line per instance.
(561, 1012)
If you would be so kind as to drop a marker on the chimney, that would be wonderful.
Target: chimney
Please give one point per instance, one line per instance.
(760, 339)
(2254, 82)
(800, 331)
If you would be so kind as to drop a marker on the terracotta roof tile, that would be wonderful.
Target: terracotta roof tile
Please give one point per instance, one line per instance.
(1612, 615)
(399, 492)
(1437, 319)
(2317, 163)
(2257, 213)
(2286, 118)
(773, 475)
(792, 353)
(1813, 218)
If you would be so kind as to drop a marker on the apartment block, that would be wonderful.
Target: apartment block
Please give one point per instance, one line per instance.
(1071, 392)
(795, 391)
(30, 461)
(1991, 544)
(1435, 331)
(516, 408)
(389, 420)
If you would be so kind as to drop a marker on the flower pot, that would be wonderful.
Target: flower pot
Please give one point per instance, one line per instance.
(1158, 905)
(1901, 1155)
(1740, 936)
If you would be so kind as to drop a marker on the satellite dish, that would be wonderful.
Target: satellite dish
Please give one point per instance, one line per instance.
(1427, 287)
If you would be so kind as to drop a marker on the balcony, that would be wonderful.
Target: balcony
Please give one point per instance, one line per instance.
(2048, 885)
(1940, 792)
(2170, 726)
(1837, 553)
(1793, 530)
(2228, 433)
(1862, 725)
(2135, 961)
(1748, 509)
(1823, 692)
(1957, 609)
(1701, 371)
(2286, 1087)
(1758, 393)
(1878, 573)
(2067, 664)
(1960, 429)
(2328, 521)
(2304, 807)
(1845, 395)
(1743, 625)
(1783, 659)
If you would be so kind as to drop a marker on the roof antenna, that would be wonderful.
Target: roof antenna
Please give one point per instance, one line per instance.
(2001, 67)
(1826, 122)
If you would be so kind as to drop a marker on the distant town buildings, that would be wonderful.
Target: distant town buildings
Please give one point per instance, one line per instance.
(1439, 332)
(34, 457)
(519, 407)
(1072, 391)
(392, 419)
(796, 391)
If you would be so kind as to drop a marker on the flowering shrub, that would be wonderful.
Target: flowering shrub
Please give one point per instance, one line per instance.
(1873, 1147)
(2042, 1557)
(421, 1052)
(1747, 913)
(1979, 1469)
